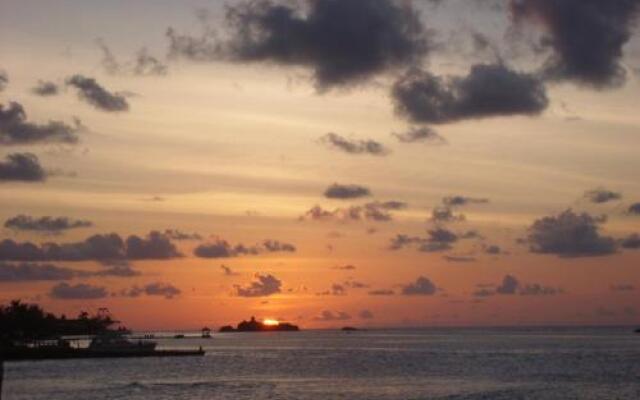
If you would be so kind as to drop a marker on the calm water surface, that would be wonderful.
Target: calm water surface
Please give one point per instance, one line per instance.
(372, 365)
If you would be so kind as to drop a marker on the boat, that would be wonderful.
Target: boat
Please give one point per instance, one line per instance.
(114, 342)
(637, 330)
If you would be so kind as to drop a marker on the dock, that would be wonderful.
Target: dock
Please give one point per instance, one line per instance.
(26, 354)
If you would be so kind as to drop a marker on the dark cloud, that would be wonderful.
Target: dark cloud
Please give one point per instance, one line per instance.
(586, 37)
(28, 272)
(510, 285)
(365, 314)
(459, 201)
(381, 292)
(97, 247)
(354, 146)
(93, 93)
(4, 80)
(421, 287)
(600, 196)
(175, 234)
(262, 286)
(569, 235)
(220, 248)
(118, 271)
(81, 291)
(45, 224)
(329, 316)
(338, 191)
(45, 88)
(445, 215)
(15, 130)
(144, 63)
(460, 259)
(23, 167)
(536, 289)
(165, 290)
(438, 239)
(344, 42)
(493, 249)
(634, 209)
(420, 134)
(348, 267)
(488, 91)
(631, 242)
(374, 211)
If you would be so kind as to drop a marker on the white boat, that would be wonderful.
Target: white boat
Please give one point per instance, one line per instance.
(117, 342)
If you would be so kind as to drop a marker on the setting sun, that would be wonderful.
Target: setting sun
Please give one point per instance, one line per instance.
(270, 322)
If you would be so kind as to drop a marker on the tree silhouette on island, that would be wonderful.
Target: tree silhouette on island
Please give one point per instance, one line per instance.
(254, 325)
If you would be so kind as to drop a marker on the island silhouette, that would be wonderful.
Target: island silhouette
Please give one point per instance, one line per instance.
(254, 325)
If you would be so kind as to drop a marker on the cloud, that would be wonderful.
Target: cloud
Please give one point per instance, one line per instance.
(354, 146)
(144, 64)
(569, 235)
(4, 80)
(374, 211)
(175, 234)
(347, 267)
(227, 271)
(15, 130)
(631, 242)
(262, 286)
(27, 272)
(330, 316)
(119, 271)
(493, 249)
(81, 291)
(586, 37)
(421, 287)
(420, 134)
(438, 239)
(488, 91)
(536, 289)
(220, 248)
(159, 289)
(445, 215)
(381, 292)
(365, 314)
(623, 287)
(634, 209)
(459, 201)
(45, 89)
(510, 285)
(23, 167)
(600, 196)
(93, 93)
(97, 247)
(338, 191)
(460, 259)
(344, 42)
(45, 224)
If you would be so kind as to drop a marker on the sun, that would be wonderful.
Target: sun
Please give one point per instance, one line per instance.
(270, 322)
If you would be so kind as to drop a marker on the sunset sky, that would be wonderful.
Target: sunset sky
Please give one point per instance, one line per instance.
(326, 162)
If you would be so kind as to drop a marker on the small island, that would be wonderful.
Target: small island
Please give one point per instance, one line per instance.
(267, 325)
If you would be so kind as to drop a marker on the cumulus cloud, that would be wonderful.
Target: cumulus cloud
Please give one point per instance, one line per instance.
(81, 291)
(15, 130)
(569, 235)
(330, 316)
(4, 80)
(220, 248)
(421, 287)
(338, 191)
(28, 272)
(45, 89)
(93, 93)
(97, 247)
(487, 91)
(344, 42)
(586, 37)
(422, 134)
(175, 234)
(262, 286)
(438, 239)
(159, 289)
(376, 211)
(631, 242)
(144, 64)
(459, 201)
(445, 215)
(23, 167)
(45, 224)
(634, 209)
(510, 285)
(354, 146)
(600, 196)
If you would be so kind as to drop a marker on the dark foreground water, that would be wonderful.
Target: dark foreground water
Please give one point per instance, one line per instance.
(374, 365)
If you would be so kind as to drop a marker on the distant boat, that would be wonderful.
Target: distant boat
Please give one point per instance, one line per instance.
(179, 336)
(637, 330)
(116, 342)
(349, 329)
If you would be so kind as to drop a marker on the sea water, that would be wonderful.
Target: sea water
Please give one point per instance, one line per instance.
(540, 363)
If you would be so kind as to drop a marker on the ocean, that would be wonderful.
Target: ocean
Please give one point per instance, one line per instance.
(540, 363)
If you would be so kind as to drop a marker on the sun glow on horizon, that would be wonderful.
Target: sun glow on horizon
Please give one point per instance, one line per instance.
(271, 322)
